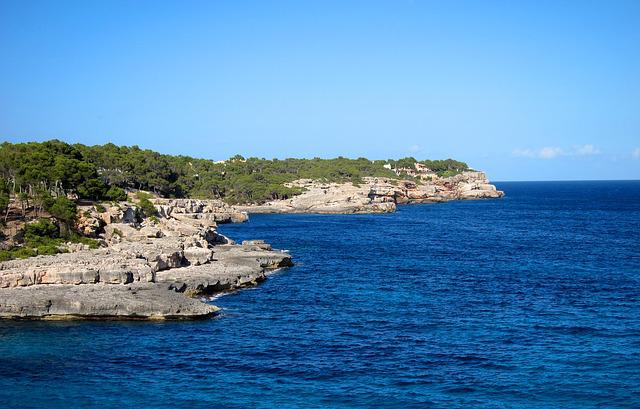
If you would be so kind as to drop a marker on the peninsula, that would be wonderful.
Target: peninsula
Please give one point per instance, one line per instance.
(108, 232)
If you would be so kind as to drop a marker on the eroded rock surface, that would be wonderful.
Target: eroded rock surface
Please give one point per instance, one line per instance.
(379, 195)
(100, 301)
(212, 210)
(150, 269)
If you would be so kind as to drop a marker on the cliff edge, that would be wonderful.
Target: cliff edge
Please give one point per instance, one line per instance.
(379, 195)
(155, 268)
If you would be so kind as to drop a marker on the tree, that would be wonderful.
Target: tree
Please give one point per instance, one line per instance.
(103, 172)
(93, 189)
(24, 202)
(115, 194)
(148, 209)
(64, 210)
(43, 228)
(4, 198)
(42, 200)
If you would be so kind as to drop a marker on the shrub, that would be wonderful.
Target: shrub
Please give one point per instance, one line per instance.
(93, 189)
(23, 252)
(148, 209)
(4, 195)
(42, 229)
(448, 173)
(5, 255)
(64, 210)
(92, 243)
(16, 252)
(116, 194)
(48, 249)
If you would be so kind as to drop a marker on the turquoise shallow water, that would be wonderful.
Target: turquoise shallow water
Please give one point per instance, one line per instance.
(528, 301)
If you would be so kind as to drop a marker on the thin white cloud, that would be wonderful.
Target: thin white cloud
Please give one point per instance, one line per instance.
(548, 152)
(636, 153)
(523, 153)
(586, 150)
(415, 148)
(551, 152)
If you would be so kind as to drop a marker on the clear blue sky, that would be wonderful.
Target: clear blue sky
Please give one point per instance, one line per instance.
(526, 91)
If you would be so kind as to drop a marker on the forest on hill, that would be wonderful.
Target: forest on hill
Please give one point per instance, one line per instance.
(41, 171)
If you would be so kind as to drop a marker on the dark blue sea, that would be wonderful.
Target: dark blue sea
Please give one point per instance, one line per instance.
(531, 301)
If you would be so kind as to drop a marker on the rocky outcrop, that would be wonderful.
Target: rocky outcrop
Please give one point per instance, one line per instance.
(100, 301)
(379, 195)
(89, 224)
(211, 210)
(150, 269)
(328, 198)
(150, 281)
(466, 185)
(235, 268)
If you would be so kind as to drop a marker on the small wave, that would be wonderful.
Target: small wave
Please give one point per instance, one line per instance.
(460, 389)
(568, 329)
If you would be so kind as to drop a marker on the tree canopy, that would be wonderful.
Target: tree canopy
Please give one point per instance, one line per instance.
(103, 172)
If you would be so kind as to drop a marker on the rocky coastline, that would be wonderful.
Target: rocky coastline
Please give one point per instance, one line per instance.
(379, 195)
(151, 269)
(166, 266)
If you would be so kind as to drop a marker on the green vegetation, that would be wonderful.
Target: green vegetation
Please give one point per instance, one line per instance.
(42, 178)
(64, 210)
(91, 243)
(43, 237)
(115, 194)
(52, 166)
(404, 163)
(148, 209)
(4, 198)
(43, 229)
(40, 171)
(445, 168)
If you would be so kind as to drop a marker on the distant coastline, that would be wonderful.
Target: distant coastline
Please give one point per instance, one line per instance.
(97, 232)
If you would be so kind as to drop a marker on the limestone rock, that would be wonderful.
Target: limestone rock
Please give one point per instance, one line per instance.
(379, 195)
(88, 224)
(151, 232)
(196, 256)
(329, 198)
(252, 245)
(137, 275)
(208, 210)
(100, 301)
(234, 268)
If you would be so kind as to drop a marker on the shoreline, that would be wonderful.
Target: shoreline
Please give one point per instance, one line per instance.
(148, 271)
(377, 195)
(160, 268)
(257, 209)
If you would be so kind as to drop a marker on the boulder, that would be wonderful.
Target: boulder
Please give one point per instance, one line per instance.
(100, 301)
(88, 224)
(196, 256)
(253, 245)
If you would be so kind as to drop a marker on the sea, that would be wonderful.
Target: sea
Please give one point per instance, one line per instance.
(530, 301)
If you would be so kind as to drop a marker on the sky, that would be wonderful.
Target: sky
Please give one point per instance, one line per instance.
(541, 90)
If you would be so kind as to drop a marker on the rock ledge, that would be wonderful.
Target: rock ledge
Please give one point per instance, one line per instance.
(148, 270)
